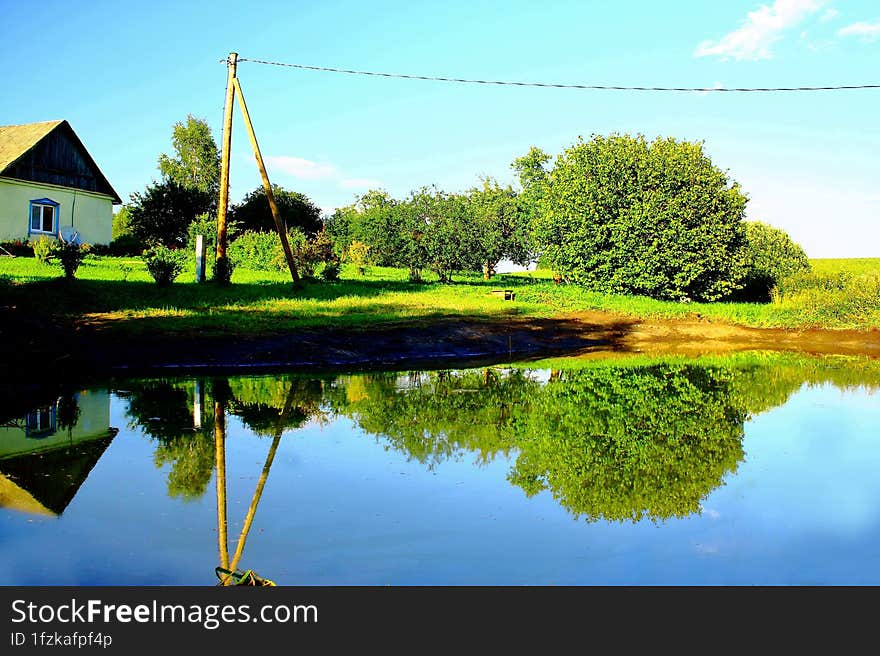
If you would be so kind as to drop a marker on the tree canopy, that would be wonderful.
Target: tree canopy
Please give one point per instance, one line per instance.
(196, 160)
(296, 210)
(622, 215)
(503, 223)
(162, 213)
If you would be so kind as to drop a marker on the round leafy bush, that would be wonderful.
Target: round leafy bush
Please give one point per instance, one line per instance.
(163, 264)
(126, 246)
(70, 255)
(769, 257)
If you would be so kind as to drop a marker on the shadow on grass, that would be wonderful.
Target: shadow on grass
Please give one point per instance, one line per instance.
(58, 296)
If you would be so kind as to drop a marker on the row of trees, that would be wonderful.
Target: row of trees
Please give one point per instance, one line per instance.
(616, 214)
(436, 230)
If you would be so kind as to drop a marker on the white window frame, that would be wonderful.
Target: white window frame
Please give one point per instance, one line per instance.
(43, 203)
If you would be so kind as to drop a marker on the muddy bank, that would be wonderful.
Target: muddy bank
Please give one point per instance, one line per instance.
(35, 349)
(41, 358)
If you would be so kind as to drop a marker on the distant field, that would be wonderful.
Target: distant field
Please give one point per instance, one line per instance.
(854, 265)
(119, 294)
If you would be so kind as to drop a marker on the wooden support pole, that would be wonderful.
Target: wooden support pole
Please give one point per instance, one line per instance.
(279, 225)
(221, 267)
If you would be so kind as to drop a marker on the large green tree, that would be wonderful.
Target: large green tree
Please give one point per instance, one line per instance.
(623, 215)
(439, 233)
(374, 219)
(162, 213)
(502, 221)
(196, 159)
(296, 210)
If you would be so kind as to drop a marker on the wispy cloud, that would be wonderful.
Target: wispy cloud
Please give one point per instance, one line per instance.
(760, 30)
(359, 183)
(301, 168)
(829, 15)
(868, 31)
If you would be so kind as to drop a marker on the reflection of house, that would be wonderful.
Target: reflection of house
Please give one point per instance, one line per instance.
(46, 455)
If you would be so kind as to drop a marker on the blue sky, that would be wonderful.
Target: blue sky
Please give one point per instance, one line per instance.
(123, 73)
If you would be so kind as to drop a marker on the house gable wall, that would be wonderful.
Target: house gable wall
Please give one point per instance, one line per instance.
(59, 159)
(91, 214)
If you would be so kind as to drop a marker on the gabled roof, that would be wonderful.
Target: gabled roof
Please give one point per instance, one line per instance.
(16, 141)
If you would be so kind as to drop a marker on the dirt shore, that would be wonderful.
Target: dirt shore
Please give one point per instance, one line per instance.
(442, 342)
(38, 358)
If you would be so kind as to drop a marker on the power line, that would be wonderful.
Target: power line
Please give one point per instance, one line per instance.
(595, 87)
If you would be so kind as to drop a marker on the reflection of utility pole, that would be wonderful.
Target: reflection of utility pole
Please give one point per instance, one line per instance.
(252, 509)
(220, 456)
(231, 568)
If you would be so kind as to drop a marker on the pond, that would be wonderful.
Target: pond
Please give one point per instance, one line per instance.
(751, 469)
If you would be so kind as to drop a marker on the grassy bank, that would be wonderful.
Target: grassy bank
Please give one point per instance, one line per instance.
(118, 294)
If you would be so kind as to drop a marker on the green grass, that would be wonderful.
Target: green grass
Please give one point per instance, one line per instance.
(118, 294)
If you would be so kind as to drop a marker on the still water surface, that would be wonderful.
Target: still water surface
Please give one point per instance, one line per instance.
(751, 469)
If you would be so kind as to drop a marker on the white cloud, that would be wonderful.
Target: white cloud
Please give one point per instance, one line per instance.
(301, 168)
(360, 183)
(829, 15)
(761, 29)
(865, 30)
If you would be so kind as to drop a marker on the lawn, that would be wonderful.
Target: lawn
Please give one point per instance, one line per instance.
(118, 293)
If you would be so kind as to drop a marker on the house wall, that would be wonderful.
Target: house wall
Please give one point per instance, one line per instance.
(90, 213)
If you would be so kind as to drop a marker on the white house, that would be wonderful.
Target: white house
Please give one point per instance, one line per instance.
(49, 181)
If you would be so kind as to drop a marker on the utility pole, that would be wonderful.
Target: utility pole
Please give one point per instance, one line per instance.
(270, 196)
(221, 270)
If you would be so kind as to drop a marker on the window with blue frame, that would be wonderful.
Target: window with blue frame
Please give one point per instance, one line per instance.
(44, 217)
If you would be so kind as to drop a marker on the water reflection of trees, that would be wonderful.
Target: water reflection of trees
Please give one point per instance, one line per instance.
(432, 417)
(613, 440)
(627, 443)
(179, 415)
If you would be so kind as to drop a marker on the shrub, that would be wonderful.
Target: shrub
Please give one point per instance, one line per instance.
(257, 250)
(658, 219)
(163, 264)
(358, 253)
(769, 257)
(17, 248)
(44, 249)
(330, 272)
(222, 271)
(70, 255)
(126, 246)
(305, 254)
(205, 224)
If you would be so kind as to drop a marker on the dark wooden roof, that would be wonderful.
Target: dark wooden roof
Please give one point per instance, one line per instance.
(50, 152)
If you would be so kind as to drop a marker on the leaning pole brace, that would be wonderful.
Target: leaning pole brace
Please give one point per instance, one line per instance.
(279, 226)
